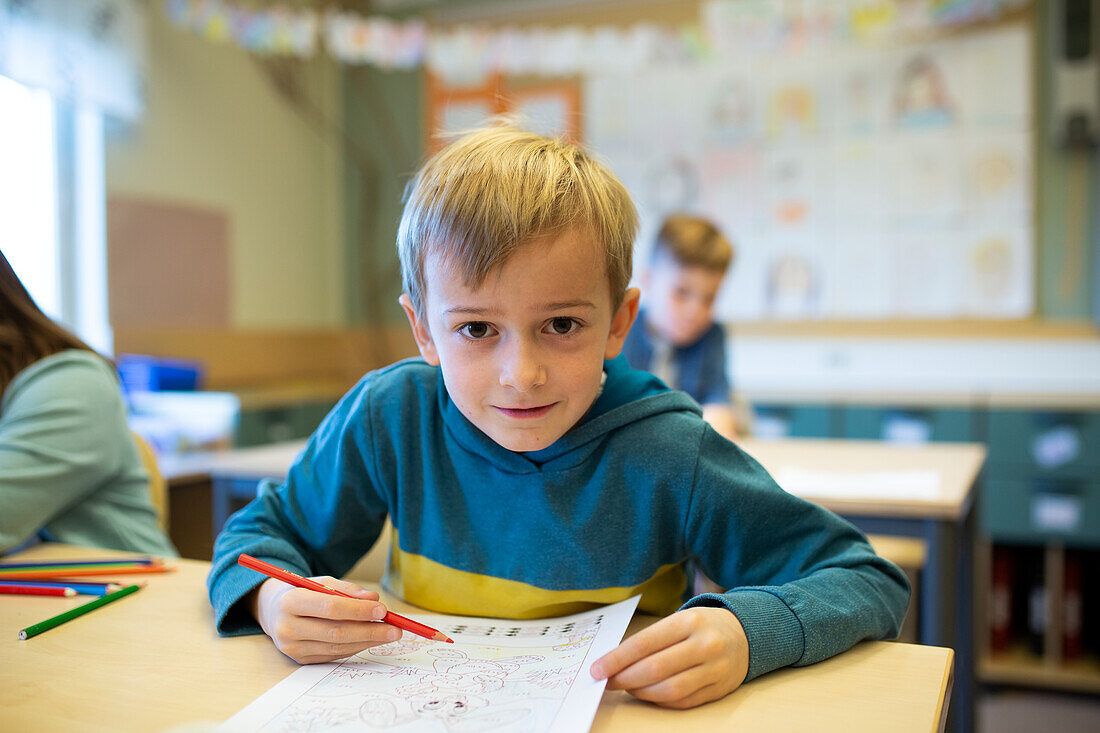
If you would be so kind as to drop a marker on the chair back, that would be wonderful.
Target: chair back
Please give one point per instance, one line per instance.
(158, 487)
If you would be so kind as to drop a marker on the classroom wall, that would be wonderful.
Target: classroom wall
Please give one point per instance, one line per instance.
(383, 116)
(217, 134)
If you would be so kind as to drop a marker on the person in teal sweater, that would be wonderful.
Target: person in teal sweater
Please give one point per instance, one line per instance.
(529, 472)
(69, 469)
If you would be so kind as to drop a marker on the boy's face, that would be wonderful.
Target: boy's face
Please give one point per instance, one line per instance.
(522, 355)
(680, 299)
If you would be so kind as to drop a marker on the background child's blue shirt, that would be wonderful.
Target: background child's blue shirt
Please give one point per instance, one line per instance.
(700, 367)
(611, 509)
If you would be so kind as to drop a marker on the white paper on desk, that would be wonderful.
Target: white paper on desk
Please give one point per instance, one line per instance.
(914, 484)
(499, 675)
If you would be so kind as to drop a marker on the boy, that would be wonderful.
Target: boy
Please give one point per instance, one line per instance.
(528, 473)
(676, 338)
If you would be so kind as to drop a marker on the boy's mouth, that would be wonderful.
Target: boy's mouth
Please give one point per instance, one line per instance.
(525, 412)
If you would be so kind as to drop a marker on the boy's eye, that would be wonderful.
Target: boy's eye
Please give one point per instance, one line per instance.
(562, 326)
(476, 330)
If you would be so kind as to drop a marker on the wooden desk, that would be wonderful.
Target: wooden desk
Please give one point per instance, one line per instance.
(153, 660)
(944, 520)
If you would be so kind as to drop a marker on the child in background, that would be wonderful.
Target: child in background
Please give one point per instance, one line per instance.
(529, 473)
(69, 467)
(675, 337)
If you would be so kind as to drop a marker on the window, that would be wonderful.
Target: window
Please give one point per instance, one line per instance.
(28, 191)
(52, 207)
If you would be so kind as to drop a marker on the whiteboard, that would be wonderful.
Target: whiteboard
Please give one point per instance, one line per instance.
(857, 182)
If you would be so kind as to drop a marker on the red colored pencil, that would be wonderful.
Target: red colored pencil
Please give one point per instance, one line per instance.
(390, 618)
(35, 590)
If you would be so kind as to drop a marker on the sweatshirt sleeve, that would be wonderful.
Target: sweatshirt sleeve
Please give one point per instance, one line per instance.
(59, 440)
(320, 521)
(804, 583)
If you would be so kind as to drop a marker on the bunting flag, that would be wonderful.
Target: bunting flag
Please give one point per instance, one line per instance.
(726, 28)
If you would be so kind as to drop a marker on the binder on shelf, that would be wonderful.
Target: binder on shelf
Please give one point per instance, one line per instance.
(1072, 608)
(1000, 599)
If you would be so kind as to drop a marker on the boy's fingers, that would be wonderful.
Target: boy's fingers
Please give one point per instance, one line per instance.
(654, 669)
(343, 633)
(314, 652)
(674, 687)
(345, 587)
(649, 640)
(702, 695)
(302, 602)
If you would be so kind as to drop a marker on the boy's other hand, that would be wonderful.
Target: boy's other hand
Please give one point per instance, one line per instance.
(311, 627)
(689, 658)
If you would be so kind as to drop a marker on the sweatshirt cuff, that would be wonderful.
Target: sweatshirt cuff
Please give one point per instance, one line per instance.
(231, 613)
(774, 633)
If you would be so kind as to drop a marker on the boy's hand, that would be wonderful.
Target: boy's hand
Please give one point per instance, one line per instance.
(689, 658)
(311, 627)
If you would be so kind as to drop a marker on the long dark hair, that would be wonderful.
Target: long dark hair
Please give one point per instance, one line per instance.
(26, 333)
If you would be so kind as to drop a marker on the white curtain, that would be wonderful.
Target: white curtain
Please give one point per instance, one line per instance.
(89, 52)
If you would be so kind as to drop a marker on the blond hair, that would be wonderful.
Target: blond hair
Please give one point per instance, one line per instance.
(694, 242)
(482, 197)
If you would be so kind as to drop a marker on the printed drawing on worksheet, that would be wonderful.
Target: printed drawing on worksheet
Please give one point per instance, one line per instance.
(498, 676)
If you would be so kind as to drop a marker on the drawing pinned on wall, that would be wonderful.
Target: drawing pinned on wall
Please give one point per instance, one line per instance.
(926, 179)
(500, 676)
(926, 275)
(922, 98)
(729, 183)
(672, 185)
(794, 287)
(857, 277)
(854, 169)
(997, 176)
(999, 270)
(858, 109)
(1000, 54)
(733, 114)
(792, 112)
(790, 187)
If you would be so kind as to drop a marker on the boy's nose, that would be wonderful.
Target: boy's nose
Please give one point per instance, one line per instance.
(522, 370)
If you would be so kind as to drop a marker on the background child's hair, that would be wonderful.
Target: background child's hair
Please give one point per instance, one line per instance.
(26, 333)
(694, 242)
(495, 188)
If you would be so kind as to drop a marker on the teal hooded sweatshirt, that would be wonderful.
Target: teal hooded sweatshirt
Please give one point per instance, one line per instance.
(614, 508)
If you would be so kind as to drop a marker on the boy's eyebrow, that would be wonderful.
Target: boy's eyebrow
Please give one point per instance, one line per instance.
(564, 304)
(555, 306)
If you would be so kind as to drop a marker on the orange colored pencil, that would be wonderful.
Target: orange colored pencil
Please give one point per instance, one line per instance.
(75, 572)
(391, 618)
(35, 590)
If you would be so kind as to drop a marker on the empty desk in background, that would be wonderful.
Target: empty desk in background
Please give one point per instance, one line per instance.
(938, 512)
(152, 661)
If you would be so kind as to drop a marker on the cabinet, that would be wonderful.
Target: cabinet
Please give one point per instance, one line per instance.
(1039, 551)
(1037, 544)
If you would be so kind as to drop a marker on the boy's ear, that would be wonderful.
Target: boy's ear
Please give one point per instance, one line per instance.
(420, 331)
(621, 323)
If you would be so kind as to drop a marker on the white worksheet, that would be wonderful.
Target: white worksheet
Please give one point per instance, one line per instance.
(499, 675)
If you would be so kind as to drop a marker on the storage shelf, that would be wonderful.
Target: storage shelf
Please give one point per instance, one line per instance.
(1019, 667)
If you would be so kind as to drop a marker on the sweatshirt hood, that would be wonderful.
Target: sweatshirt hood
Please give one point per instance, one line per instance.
(628, 395)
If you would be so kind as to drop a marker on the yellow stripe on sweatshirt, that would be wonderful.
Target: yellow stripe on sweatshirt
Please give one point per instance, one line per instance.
(434, 586)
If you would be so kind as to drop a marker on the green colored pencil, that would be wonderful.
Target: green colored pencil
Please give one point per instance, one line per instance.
(72, 613)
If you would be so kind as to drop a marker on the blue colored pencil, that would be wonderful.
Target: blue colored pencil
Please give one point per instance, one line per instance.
(83, 588)
(146, 560)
